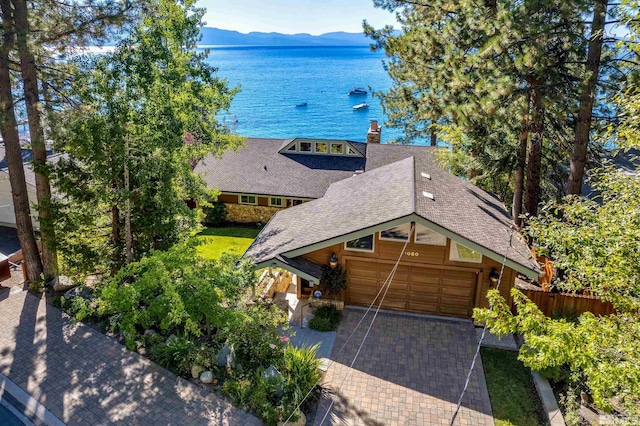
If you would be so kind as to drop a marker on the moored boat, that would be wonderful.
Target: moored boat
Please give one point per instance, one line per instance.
(303, 104)
(361, 106)
(358, 91)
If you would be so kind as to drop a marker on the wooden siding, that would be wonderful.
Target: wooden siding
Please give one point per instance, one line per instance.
(448, 278)
(553, 304)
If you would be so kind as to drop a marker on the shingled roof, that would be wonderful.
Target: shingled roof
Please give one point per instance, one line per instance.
(258, 168)
(388, 194)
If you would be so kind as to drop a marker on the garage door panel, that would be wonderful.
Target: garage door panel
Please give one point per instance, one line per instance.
(465, 292)
(426, 290)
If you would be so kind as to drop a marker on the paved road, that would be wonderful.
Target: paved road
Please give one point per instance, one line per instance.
(85, 378)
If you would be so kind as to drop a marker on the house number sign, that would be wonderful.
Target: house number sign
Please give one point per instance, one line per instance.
(412, 253)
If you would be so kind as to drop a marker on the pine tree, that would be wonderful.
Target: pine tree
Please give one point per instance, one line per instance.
(500, 73)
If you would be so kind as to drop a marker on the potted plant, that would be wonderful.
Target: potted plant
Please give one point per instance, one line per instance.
(332, 282)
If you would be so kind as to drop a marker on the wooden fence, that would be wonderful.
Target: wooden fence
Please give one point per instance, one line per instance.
(563, 304)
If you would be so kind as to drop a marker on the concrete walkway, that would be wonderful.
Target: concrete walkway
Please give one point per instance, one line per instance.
(410, 371)
(85, 378)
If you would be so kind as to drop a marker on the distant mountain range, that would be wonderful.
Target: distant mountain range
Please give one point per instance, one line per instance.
(215, 36)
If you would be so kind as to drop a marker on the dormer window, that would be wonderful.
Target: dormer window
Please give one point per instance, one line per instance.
(337, 148)
(305, 146)
(321, 147)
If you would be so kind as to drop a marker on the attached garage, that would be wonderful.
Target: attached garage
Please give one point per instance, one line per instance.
(421, 289)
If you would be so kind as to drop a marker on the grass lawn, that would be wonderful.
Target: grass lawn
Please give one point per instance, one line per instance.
(514, 399)
(219, 240)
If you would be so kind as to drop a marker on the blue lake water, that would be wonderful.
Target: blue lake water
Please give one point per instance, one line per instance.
(274, 79)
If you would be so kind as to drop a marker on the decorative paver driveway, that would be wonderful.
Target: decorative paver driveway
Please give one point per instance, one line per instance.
(410, 371)
(85, 378)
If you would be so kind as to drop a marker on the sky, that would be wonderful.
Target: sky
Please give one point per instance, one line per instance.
(294, 16)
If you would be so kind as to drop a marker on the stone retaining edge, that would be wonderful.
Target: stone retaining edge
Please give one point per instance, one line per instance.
(548, 399)
(32, 406)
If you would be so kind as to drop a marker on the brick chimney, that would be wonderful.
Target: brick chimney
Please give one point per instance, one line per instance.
(374, 133)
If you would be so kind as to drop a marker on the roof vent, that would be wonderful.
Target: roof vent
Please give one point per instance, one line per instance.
(428, 195)
(426, 175)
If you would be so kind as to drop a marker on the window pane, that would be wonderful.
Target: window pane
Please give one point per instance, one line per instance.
(321, 147)
(296, 202)
(337, 148)
(305, 146)
(400, 233)
(292, 147)
(276, 201)
(248, 199)
(351, 151)
(429, 236)
(364, 244)
(464, 254)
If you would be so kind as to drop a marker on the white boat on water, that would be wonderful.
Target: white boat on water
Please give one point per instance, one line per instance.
(361, 106)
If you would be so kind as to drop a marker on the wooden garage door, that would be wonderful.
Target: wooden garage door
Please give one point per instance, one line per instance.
(414, 288)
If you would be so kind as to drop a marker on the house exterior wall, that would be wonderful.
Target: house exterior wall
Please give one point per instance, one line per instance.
(424, 256)
(7, 216)
(248, 213)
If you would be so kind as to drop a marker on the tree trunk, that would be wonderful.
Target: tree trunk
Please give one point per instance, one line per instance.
(9, 131)
(434, 140)
(534, 163)
(38, 144)
(518, 184)
(115, 237)
(127, 217)
(587, 97)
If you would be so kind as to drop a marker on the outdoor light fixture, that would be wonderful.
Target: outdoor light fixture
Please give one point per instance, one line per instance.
(494, 277)
(333, 260)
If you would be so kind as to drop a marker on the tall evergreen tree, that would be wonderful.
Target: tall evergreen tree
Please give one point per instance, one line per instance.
(13, 151)
(501, 73)
(144, 112)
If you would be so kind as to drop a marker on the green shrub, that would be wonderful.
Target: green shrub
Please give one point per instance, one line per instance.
(300, 369)
(320, 324)
(215, 214)
(252, 331)
(175, 354)
(326, 318)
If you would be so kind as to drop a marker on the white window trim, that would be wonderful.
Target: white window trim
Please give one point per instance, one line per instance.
(397, 240)
(373, 245)
(415, 238)
(247, 195)
(283, 202)
(295, 148)
(461, 260)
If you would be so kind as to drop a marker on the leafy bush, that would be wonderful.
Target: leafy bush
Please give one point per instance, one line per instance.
(300, 369)
(174, 291)
(320, 324)
(175, 354)
(215, 214)
(252, 331)
(333, 280)
(326, 318)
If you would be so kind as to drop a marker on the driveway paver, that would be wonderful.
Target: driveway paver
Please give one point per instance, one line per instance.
(410, 371)
(85, 378)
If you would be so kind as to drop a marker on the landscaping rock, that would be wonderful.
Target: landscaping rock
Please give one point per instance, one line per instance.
(149, 333)
(196, 370)
(62, 283)
(171, 338)
(81, 291)
(226, 356)
(271, 373)
(142, 351)
(206, 377)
